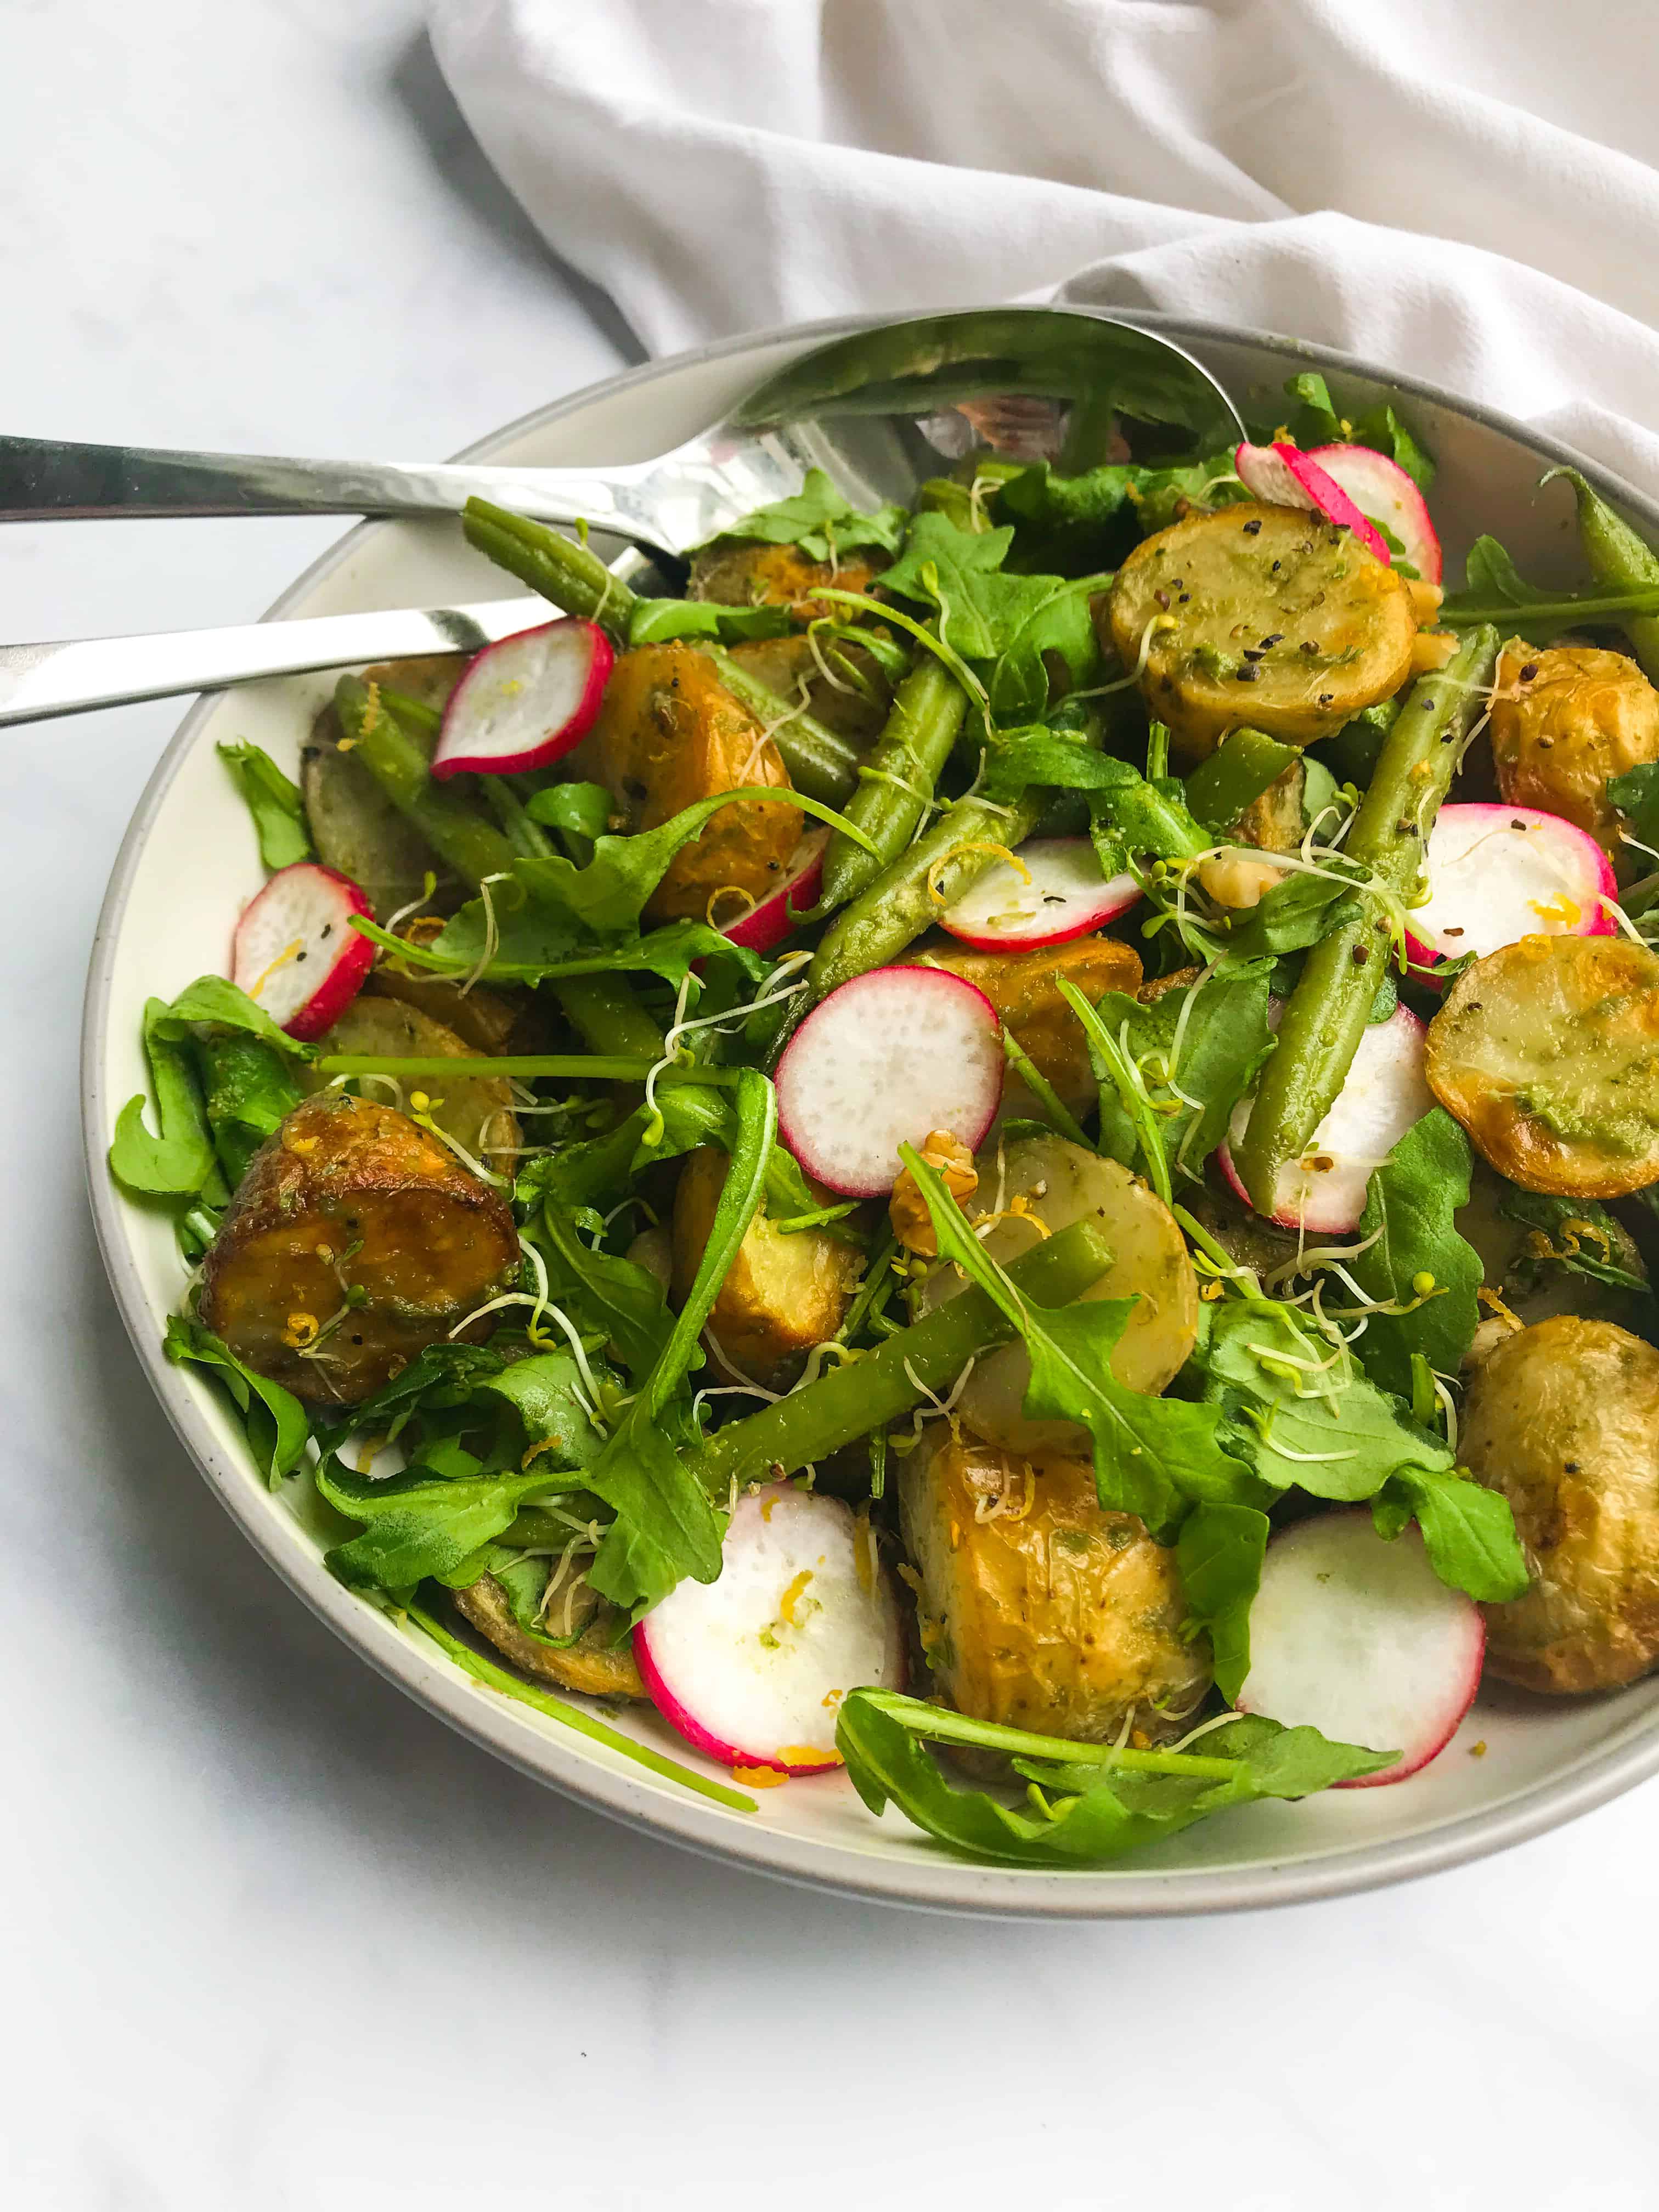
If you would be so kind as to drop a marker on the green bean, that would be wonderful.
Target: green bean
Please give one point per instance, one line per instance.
(821, 763)
(528, 840)
(1325, 1016)
(849, 1400)
(896, 783)
(571, 575)
(1619, 559)
(910, 895)
(1235, 774)
(374, 726)
(608, 1017)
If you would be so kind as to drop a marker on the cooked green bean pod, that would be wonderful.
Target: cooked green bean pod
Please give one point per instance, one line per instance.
(896, 783)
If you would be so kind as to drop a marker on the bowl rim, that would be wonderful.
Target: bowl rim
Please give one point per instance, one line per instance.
(930, 1879)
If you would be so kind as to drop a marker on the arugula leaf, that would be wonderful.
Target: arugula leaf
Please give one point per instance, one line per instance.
(653, 622)
(1315, 421)
(1411, 1204)
(665, 1529)
(621, 1301)
(276, 1424)
(1153, 1456)
(821, 520)
(1289, 916)
(1299, 1410)
(1219, 1552)
(249, 1087)
(419, 1524)
(546, 1393)
(176, 1162)
(960, 573)
(274, 801)
(1574, 1233)
(1113, 1800)
(1203, 1040)
(1469, 1531)
(581, 810)
(441, 1377)
(210, 999)
(1060, 623)
(1495, 590)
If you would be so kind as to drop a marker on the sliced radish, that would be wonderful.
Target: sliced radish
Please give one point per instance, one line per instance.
(1500, 873)
(1284, 476)
(1053, 891)
(1386, 1093)
(883, 1061)
(294, 953)
(525, 701)
(752, 1668)
(1359, 1636)
(770, 921)
(1380, 489)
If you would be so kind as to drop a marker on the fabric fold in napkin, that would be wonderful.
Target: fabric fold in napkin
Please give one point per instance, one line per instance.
(1457, 192)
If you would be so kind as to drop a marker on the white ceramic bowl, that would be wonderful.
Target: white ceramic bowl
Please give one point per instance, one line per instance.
(189, 863)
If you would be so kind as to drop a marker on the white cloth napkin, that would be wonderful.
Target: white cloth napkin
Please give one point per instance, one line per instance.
(1460, 188)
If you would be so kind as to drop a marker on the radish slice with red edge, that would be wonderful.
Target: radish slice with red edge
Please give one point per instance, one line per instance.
(771, 919)
(1358, 1637)
(1386, 1093)
(753, 1667)
(294, 951)
(1500, 873)
(884, 1061)
(1284, 476)
(525, 701)
(1380, 489)
(1053, 891)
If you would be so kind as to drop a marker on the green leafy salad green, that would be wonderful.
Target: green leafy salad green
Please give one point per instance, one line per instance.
(1131, 1230)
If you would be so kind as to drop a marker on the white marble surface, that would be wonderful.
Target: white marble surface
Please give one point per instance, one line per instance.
(272, 1938)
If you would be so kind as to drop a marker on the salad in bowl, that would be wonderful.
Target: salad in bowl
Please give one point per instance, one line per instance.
(1008, 1150)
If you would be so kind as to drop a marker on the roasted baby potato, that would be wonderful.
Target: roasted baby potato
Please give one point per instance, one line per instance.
(1038, 1609)
(355, 1240)
(741, 571)
(783, 663)
(596, 1664)
(1563, 722)
(782, 1294)
(1262, 615)
(486, 1019)
(1021, 986)
(1563, 1418)
(1547, 1052)
(670, 733)
(476, 1110)
(354, 825)
(1036, 1185)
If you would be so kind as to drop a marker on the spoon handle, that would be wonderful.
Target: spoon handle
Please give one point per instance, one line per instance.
(38, 682)
(54, 480)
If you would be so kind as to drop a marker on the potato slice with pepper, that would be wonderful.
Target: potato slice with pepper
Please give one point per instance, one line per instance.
(1039, 1609)
(1032, 1187)
(1022, 986)
(1262, 615)
(747, 572)
(670, 733)
(1547, 1052)
(595, 1664)
(783, 1293)
(1562, 1420)
(1565, 722)
(476, 1110)
(353, 1240)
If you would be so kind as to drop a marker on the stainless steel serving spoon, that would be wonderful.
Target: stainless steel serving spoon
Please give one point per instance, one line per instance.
(879, 409)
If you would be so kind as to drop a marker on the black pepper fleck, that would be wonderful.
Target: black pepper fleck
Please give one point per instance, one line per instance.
(1252, 528)
(1529, 671)
(1246, 675)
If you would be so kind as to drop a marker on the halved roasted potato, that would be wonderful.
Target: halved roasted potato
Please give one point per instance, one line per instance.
(1547, 1052)
(476, 1110)
(1022, 986)
(353, 1240)
(782, 1293)
(743, 572)
(1563, 722)
(354, 825)
(1262, 615)
(1035, 1186)
(1038, 1609)
(669, 734)
(596, 1664)
(1563, 1418)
